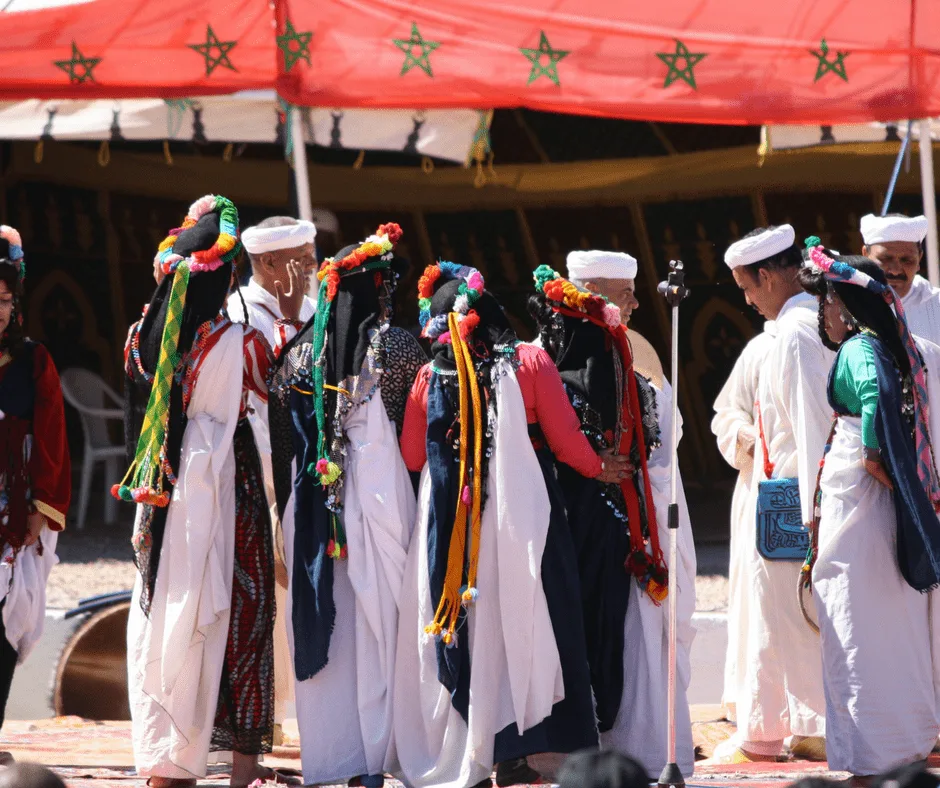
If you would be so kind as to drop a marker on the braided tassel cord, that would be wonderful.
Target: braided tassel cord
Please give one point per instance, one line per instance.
(144, 480)
(452, 596)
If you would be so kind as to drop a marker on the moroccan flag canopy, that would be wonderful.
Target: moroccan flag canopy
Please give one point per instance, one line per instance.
(716, 61)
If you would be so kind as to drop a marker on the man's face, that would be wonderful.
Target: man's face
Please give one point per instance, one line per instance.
(275, 263)
(621, 292)
(900, 260)
(759, 291)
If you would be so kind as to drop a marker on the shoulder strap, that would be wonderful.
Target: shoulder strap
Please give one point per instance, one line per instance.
(768, 465)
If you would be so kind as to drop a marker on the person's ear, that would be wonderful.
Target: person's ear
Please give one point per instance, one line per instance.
(765, 278)
(866, 250)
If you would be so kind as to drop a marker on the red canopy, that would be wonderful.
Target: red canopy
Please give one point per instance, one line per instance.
(716, 61)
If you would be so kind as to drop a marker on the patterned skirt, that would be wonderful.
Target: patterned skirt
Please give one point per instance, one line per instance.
(244, 721)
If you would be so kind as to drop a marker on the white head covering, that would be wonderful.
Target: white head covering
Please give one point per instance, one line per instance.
(755, 248)
(596, 264)
(258, 240)
(884, 229)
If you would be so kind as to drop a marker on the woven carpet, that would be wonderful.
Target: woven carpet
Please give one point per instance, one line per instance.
(89, 754)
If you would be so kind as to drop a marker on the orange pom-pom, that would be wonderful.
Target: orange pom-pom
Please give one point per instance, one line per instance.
(469, 324)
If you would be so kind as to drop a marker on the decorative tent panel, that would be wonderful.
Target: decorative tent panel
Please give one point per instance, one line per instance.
(715, 61)
(248, 117)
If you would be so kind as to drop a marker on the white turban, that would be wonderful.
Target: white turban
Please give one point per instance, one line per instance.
(762, 246)
(258, 240)
(884, 229)
(585, 266)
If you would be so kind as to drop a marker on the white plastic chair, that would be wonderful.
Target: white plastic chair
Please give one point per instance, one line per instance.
(90, 396)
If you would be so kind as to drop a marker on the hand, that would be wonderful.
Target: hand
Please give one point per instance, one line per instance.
(877, 469)
(35, 522)
(614, 468)
(746, 441)
(291, 301)
(158, 274)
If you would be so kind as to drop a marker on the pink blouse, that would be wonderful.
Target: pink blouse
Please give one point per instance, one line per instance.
(546, 404)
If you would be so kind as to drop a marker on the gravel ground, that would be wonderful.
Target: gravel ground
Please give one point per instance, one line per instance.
(99, 560)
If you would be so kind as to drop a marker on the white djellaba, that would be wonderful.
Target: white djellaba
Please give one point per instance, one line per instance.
(879, 636)
(736, 415)
(782, 693)
(176, 654)
(641, 725)
(517, 676)
(344, 713)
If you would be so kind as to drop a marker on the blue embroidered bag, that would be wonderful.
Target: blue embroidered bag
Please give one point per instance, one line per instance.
(781, 534)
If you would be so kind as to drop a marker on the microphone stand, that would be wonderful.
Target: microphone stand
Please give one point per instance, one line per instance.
(674, 291)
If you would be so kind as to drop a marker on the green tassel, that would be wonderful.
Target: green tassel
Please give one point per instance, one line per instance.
(813, 241)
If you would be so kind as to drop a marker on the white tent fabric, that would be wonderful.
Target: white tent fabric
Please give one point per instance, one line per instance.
(785, 137)
(251, 116)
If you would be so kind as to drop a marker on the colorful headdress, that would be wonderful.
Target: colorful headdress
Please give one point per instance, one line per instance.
(836, 271)
(646, 561)
(224, 250)
(376, 252)
(454, 327)
(12, 237)
(146, 479)
(470, 291)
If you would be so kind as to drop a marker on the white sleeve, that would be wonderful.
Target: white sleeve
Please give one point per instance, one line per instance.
(805, 401)
(734, 411)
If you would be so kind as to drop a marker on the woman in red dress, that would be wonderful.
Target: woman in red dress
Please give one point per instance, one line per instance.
(35, 474)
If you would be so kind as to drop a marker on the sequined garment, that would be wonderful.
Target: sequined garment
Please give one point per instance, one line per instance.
(244, 722)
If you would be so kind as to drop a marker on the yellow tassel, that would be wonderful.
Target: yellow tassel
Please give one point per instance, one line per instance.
(167, 155)
(38, 151)
(333, 472)
(656, 591)
(104, 154)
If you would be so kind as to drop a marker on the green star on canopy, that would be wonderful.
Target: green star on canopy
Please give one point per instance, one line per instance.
(836, 66)
(534, 56)
(294, 45)
(80, 68)
(407, 45)
(681, 55)
(221, 49)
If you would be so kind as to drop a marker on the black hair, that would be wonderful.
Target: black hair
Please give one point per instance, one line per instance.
(602, 769)
(868, 309)
(13, 337)
(790, 258)
(813, 281)
(871, 311)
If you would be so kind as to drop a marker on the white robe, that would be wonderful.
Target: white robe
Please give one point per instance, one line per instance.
(735, 415)
(263, 312)
(782, 692)
(175, 656)
(23, 587)
(880, 637)
(922, 307)
(344, 713)
(516, 673)
(640, 729)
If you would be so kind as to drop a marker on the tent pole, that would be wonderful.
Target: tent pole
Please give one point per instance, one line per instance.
(929, 193)
(301, 176)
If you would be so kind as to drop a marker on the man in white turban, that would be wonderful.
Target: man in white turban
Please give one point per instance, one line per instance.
(640, 727)
(283, 260)
(895, 242)
(780, 693)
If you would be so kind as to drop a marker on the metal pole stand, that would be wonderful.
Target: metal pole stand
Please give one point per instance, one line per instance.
(674, 291)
